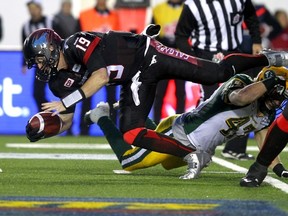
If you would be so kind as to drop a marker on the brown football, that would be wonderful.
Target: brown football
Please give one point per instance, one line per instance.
(44, 121)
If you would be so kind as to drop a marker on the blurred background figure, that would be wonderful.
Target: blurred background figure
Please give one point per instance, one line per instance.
(281, 41)
(282, 18)
(64, 23)
(102, 19)
(133, 15)
(269, 29)
(37, 20)
(99, 18)
(167, 14)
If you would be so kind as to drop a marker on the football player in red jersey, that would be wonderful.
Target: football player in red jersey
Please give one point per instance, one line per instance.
(77, 67)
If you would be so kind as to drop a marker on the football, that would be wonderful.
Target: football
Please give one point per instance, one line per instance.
(44, 121)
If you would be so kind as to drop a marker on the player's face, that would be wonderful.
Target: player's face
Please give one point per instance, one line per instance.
(40, 61)
(42, 64)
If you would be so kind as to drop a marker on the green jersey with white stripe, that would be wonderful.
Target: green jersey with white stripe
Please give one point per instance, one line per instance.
(216, 120)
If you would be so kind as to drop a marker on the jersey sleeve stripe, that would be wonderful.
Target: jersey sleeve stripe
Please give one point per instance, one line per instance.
(90, 49)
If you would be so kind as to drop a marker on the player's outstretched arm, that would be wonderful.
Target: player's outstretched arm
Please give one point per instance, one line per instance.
(95, 82)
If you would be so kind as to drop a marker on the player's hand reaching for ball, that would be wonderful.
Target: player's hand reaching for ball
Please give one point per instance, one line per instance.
(55, 106)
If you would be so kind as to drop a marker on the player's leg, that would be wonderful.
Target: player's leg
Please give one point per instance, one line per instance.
(171, 63)
(239, 63)
(275, 142)
(142, 158)
(159, 99)
(100, 116)
(180, 95)
(169, 161)
(135, 107)
(139, 158)
(129, 158)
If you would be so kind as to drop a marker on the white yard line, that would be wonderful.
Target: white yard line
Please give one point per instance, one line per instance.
(273, 181)
(86, 146)
(251, 148)
(270, 180)
(58, 146)
(58, 156)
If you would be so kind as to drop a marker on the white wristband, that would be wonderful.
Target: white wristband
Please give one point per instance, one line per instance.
(73, 98)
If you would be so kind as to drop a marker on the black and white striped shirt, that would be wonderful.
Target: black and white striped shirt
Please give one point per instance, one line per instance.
(216, 25)
(31, 26)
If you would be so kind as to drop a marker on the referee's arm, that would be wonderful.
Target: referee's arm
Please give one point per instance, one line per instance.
(183, 30)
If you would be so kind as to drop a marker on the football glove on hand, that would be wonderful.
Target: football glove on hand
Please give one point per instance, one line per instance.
(280, 171)
(281, 85)
(272, 81)
(32, 133)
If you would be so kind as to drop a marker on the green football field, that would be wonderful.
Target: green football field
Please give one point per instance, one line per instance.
(65, 175)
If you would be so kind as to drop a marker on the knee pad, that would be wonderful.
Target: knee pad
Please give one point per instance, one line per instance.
(130, 136)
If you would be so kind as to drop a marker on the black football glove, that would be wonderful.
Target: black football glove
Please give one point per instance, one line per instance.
(280, 171)
(272, 81)
(32, 134)
(281, 86)
(152, 30)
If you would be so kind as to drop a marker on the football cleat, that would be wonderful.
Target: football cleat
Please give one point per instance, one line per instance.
(249, 182)
(276, 58)
(237, 156)
(255, 175)
(280, 170)
(194, 169)
(196, 162)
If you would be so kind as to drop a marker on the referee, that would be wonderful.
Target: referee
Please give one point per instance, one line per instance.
(207, 27)
(37, 20)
